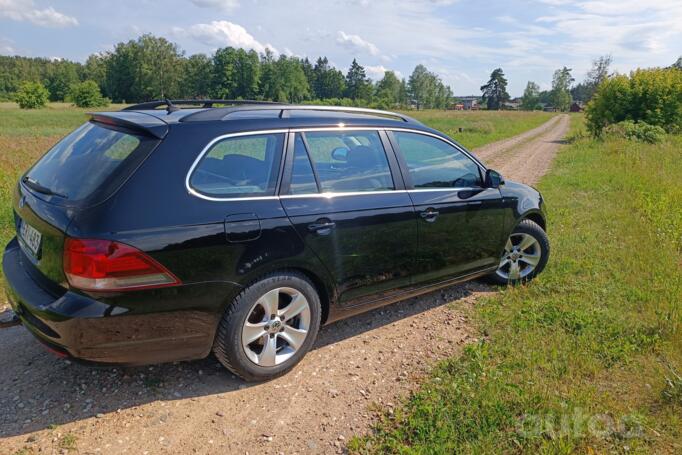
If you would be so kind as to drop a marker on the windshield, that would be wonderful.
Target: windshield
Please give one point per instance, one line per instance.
(81, 162)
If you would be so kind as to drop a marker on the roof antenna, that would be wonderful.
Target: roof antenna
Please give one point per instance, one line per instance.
(171, 107)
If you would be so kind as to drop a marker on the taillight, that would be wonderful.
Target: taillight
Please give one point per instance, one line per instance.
(104, 265)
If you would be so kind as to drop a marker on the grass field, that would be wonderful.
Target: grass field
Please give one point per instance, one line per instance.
(588, 358)
(481, 127)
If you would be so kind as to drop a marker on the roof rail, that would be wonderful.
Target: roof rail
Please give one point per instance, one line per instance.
(223, 113)
(351, 110)
(172, 104)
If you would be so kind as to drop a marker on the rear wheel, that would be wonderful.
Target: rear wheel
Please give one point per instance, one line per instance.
(525, 254)
(269, 327)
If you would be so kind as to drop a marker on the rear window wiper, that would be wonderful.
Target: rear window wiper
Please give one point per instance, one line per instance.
(34, 185)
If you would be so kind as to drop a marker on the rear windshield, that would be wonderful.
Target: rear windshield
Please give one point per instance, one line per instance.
(83, 161)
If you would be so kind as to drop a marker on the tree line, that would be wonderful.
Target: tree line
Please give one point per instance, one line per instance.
(151, 67)
(561, 95)
(563, 92)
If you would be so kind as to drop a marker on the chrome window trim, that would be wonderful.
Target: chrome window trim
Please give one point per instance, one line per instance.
(341, 127)
(333, 194)
(426, 190)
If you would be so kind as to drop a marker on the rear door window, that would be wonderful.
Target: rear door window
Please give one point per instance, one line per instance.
(343, 161)
(83, 161)
(241, 166)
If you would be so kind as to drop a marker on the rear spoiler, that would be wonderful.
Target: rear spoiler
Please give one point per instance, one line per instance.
(137, 121)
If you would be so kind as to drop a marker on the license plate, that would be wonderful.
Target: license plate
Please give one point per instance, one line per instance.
(30, 237)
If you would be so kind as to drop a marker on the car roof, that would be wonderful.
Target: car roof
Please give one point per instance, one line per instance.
(239, 115)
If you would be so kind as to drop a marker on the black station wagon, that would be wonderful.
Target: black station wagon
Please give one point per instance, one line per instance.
(160, 233)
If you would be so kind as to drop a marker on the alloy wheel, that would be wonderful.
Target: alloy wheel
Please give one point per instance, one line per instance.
(276, 327)
(521, 256)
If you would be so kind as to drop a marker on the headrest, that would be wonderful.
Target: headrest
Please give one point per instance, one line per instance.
(364, 156)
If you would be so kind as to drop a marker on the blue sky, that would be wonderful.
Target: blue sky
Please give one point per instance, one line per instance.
(462, 41)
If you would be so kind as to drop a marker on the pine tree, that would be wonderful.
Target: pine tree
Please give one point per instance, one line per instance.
(358, 85)
(495, 91)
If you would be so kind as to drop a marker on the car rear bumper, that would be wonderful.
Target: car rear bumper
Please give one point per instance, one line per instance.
(78, 326)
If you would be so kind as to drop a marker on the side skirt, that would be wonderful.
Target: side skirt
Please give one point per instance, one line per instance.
(336, 313)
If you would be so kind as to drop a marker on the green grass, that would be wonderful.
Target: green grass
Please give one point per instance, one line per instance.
(481, 127)
(68, 442)
(588, 357)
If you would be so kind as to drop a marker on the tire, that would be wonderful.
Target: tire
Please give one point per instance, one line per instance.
(257, 347)
(525, 255)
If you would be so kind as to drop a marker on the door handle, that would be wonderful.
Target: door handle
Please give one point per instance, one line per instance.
(322, 227)
(429, 215)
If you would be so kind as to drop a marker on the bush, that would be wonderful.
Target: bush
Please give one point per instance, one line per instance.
(640, 131)
(87, 94)
(32, 95)
(652, 96)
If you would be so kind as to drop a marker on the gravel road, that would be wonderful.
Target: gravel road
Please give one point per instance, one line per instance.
(49, 405)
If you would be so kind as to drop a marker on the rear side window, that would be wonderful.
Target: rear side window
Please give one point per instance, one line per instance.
(84, 160)
(240, 166)
(345, 161)
(434, 163)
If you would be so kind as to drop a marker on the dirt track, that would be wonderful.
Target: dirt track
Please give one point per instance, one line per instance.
(368, 360)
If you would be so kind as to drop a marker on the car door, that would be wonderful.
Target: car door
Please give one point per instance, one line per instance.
(344, 194)
(460, 222)
(244, 229)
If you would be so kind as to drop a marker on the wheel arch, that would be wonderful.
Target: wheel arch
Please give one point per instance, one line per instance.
(536, 217)
(322, 289)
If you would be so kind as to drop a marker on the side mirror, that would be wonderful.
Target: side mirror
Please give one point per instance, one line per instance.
(340, 154)
(493, 179)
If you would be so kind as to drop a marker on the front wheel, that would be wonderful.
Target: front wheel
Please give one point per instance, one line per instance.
(269, 327)
(525, 254)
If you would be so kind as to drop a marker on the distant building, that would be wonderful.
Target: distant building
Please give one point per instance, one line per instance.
(468, 102)
(576, 107)
(512, 105)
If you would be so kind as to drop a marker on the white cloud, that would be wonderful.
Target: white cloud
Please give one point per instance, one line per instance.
(225, 5)
(356, 43)
(224, 33)
(25, 11)
(377, 72)
(629, 29)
